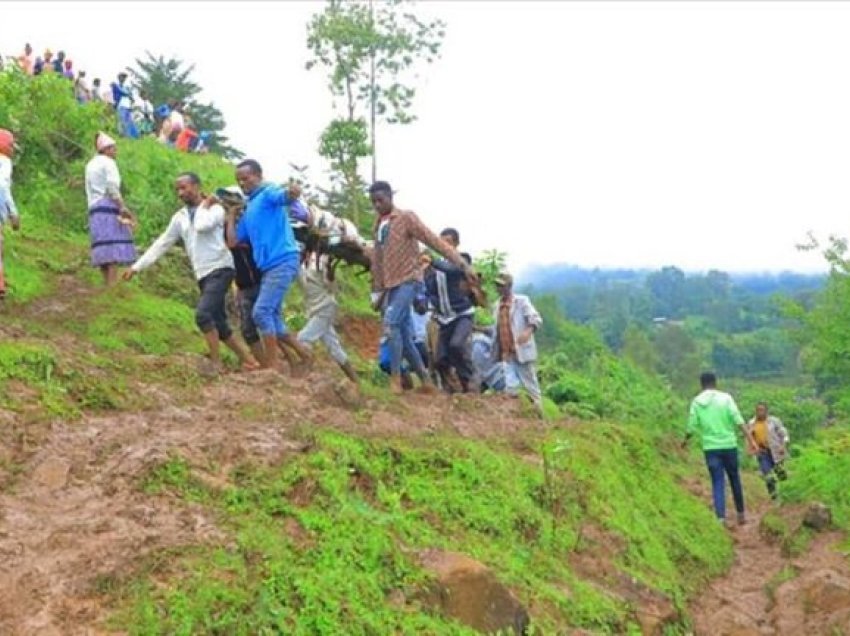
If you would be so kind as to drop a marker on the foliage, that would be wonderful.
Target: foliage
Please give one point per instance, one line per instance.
(326, 539)
(169, 81)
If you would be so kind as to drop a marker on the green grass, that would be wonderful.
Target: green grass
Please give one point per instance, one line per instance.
(365, 507)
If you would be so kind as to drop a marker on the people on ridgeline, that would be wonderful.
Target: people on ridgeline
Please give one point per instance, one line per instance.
(59, 63)
(265, 226)
(81, 88)
(96, 94)
(38, 66)
(516, 320)
(143, 115)
(25, 59)
(8, 209)
(110, 222)
(715, 419)
(68, 70)
(122, 99)
(317, 280)
(200, 228)
(395, 274)
(770, 439)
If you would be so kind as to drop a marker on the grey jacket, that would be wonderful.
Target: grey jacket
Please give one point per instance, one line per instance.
(523, 315)
(777, 437)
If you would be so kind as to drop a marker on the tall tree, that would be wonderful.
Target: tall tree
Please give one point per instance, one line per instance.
(167, 80)
(369, 52)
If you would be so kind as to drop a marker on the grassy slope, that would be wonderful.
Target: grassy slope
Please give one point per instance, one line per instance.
(531, 508)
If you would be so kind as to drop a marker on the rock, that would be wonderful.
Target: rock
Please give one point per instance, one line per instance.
(818, 517)
(341, 392)
(469, 592)
(828, 593)
(52, 472)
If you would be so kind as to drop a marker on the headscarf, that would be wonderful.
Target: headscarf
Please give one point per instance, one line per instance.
(103, 141)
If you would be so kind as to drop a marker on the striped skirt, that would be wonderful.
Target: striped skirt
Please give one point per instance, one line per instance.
(111, 240)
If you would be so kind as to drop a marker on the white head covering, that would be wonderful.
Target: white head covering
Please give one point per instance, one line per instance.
(103, 141)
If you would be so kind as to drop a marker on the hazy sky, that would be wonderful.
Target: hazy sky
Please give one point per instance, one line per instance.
(700, 134)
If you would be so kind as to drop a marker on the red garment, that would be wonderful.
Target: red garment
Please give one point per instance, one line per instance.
(7, 142)
(184, 139)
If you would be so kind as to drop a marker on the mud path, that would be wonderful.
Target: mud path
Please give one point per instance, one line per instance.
(767, 592)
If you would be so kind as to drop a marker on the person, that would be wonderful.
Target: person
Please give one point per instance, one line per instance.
(68, 71)
(38, 66)
(395, 274)
(8, 209)
(317, 279)
(489, 374)
(47, 62)
(200, 228)
(516, 321)
(96, 94)
(110, 221)
(81, 88)
(25, 61)
(715, 418)
(59, 63)
(266, 227)
(771, 446)
(143, 114)
(122, 98)
(176, 121)
(454, 312)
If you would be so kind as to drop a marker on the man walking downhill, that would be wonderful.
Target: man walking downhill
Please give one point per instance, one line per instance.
(771, 447)
(396, 273)
(266, 227)
(454, 313)
(201, 229)
(318, 281)
(516, 321)
(715, 418)
(8, 209)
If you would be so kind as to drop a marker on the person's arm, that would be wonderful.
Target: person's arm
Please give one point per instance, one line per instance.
(209, 218)
(234, 233)
(418, 230)
(159, 247)
(737, 419)
(786, 439)
(532, 321)
(692, 426)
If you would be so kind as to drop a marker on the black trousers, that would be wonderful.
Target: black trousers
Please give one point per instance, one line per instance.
(452, 349)
(211, 312)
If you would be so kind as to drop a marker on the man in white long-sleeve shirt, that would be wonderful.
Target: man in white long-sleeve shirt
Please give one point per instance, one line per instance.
(8, 210)
(201, 229)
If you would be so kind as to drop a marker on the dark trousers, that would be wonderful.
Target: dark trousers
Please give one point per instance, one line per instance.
(766, 466)
(721, 463)
(245, 300)
(211, 312)
(452, 350)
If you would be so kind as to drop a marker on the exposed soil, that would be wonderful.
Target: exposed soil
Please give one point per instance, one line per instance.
(766, 592)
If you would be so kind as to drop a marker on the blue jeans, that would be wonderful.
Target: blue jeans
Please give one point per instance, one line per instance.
(766, 466)
(720, 463)
(398, 327)
(274, 284)
(126, 124)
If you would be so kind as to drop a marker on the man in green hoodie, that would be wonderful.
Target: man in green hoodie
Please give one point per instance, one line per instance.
(715, 417)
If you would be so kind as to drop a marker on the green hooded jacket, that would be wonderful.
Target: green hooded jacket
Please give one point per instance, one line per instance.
(715, 417)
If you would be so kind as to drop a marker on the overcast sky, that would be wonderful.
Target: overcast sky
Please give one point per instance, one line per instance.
(700, 134)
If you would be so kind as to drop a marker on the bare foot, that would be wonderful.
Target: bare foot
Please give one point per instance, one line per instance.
(395, 385)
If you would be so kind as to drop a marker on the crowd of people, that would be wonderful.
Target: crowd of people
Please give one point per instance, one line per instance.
(171, 123)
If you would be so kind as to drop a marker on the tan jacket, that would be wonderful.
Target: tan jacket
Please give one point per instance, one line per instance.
(777, 437)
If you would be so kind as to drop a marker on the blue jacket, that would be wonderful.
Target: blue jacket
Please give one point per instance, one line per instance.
(449, 297)
(265, 225)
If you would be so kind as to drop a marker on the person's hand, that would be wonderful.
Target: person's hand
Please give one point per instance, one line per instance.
(525, 337)
(209, 201)
(15, 221)
(128, 274)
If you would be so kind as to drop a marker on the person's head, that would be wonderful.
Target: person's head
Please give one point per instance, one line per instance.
(451, 236)
(708, 380)
(122, 77)
(105, 145)
(761, 411)
(249, 175)
(425, 259)
(68, 65)
(143, 94)
(188, 187)
(48, 55)
(28, 48)
(381, 194)
(7, 143)
(504, 284)
(82, 74)
(60, 56)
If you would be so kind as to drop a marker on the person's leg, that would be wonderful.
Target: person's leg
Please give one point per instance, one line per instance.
(289, 274)
(528, 377)
(730, 461)
(458, 350)
(266, 313)
(218, 289)
(206, 313)
(766, 466)
(442, 361)
(110, 274)
(396, 322)
(245, 299)
(2, 269)
(714, 462)
(512, 380)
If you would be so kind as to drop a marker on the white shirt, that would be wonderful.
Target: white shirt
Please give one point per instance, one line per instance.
(177, 122)
(319, 292)
(7, 203)
(102, 179)
(203, 240)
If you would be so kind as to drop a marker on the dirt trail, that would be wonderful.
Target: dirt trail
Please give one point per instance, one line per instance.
(768, 593)
(76, 516)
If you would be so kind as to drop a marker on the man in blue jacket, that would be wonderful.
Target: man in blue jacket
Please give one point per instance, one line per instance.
(265, 226)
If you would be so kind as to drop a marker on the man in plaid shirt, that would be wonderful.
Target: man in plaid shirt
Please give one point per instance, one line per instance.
(396, 273)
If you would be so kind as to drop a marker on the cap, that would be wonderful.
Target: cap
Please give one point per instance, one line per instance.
(504, 279)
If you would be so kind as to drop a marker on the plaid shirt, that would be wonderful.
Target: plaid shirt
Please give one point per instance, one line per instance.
(396, 253)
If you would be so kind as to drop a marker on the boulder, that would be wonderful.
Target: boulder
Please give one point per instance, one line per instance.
(467, 591)
(818, 517)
